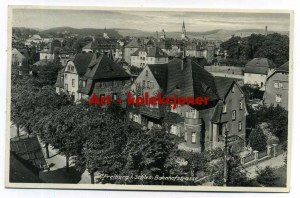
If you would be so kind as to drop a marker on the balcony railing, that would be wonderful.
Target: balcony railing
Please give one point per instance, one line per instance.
(151, 112)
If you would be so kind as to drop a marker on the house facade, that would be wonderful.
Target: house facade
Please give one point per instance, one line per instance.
(20, 58)
(256, 71)
(68, 78)
(148, 55)
(277, 87)
(104, 77)
(204, 126)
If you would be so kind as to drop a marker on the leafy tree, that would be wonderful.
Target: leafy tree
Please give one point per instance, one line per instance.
(149, 154)
(266, 176)
(258, 140)
(63, 132)
(47, 74)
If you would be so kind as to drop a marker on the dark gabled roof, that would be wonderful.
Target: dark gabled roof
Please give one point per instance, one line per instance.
(22, 171)
(151, 52)
(216, 117)
(81, 62)
(28, 148)
(185, 78)
(24, 52)
(223, 85)
(134, 43)
(102, 67)
(160, 73)
(259, 66)
(91, 45)
(284, 67)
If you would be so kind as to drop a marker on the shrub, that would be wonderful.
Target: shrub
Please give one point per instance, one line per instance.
(258, 140)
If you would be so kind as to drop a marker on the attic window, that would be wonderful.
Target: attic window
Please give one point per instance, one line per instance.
(146, 72)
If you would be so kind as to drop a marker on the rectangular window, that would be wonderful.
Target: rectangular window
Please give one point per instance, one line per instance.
(233, 115)
(66, 76)
(115, 83)
(278, 98)
(193, 137)
(232, 90)
(61, 79)
(185, 136)
(276, 85)
(66, 86)
(148, 84)
(280, 85)
(240, 126)
(224, 108)
(144, 83)
(241, 104)
(73, 82)
(83, 83)
(114, 96)
(102, 84)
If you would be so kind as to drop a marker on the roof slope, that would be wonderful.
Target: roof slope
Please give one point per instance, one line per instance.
(223, 85)
(151, 52)
(259, 66)
(81, 62)
(28, 148)
(284, 67)
(102, 67)
(160, 73)
(134, 43)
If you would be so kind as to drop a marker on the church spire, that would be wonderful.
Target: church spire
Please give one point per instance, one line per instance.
(183, 32)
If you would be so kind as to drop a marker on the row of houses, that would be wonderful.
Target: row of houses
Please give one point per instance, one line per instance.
(203, 128)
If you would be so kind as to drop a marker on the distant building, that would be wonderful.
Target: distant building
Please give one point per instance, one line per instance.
(130, 48)
(183, 32)
(148, 55)
(20, 60)
(277, 87)
(257, 70)
(196, 50)
(204, 126)
(35, 39)
(105, 35)
(54, 50)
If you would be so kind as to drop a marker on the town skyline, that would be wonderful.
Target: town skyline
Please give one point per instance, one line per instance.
(149, 21)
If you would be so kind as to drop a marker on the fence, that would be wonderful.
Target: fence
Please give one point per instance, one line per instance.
(256, 156)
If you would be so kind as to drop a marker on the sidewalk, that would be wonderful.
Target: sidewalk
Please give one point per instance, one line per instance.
(275, 162)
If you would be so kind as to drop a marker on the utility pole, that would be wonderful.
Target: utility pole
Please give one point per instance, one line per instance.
(225, 159)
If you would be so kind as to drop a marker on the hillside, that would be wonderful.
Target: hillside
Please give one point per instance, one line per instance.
(82, 31)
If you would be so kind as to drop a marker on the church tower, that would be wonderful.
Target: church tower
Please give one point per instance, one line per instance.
(105, 35)
(183, 32)
(163, 36)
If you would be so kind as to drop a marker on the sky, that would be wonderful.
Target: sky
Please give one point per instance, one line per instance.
(148, 20)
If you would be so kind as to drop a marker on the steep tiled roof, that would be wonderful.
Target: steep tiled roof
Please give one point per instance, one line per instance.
(186, 78)
(284, 67)
(133, 44)
(223, 85)
(28, 148)
(160, 73)
(259, 66)
(82, 61)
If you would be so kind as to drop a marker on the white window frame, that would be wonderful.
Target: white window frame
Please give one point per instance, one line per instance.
(278, 98)
(193, 135)
(73, 82)
(224, 110)
(240, 126)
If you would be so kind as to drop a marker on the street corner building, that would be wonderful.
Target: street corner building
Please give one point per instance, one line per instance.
(203, 127)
